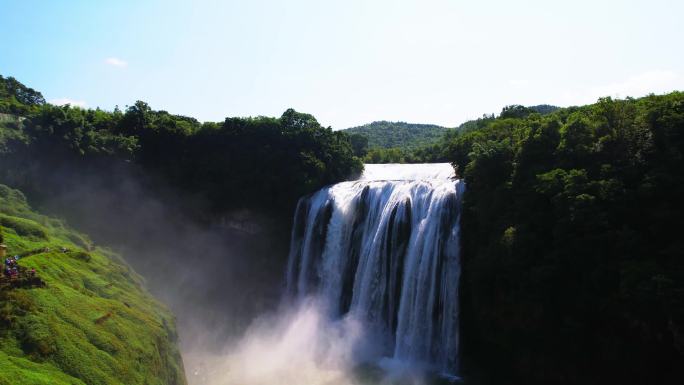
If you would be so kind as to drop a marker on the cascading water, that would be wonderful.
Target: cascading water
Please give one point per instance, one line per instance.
(385, 249)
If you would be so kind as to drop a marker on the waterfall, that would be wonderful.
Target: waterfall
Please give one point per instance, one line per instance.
(385, 248)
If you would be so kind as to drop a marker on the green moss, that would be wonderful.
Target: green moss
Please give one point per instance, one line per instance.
(93, 323)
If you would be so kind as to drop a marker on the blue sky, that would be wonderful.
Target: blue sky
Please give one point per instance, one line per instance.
(346, 62)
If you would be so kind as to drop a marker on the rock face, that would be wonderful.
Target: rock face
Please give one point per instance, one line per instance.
(92, 322)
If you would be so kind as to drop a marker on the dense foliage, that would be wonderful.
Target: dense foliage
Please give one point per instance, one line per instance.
(573, 268)
(242, 162)
(93, 323)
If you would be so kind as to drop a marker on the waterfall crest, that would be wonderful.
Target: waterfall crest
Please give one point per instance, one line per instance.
(386, 249)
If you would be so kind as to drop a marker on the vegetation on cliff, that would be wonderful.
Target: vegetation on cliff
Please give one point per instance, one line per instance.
(91, 323)
(572, 268)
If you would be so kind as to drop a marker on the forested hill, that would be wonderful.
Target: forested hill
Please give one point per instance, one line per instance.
(83, 317)
(399, 142)
(262, 162)
(384, 134)
(412, 136)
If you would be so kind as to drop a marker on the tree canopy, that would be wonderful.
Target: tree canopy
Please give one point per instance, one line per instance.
(16, 98)
(573, 269)
(260, 161)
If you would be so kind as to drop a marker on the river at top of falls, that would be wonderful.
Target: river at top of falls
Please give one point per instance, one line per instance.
(385, 249)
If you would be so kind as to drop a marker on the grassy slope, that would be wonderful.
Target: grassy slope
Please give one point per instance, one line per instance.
(93, 323)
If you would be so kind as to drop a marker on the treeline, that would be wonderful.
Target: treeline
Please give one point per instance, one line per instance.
(573, 259)
(258, 162)
(399, 142)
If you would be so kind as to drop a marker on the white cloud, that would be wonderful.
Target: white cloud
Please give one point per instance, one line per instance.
(656, 81)
(116, 62)
(64, 101)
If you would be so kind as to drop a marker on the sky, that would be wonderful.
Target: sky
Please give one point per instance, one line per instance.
(346, 62)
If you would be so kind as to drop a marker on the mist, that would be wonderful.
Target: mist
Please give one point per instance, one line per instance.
(300, 344)
(297, 346)
(223, 277)
(217, 271)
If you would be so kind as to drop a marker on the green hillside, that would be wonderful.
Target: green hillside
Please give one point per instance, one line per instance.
(91, 322)
(385, 134)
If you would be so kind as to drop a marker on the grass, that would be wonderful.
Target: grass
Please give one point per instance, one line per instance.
(93, 323)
